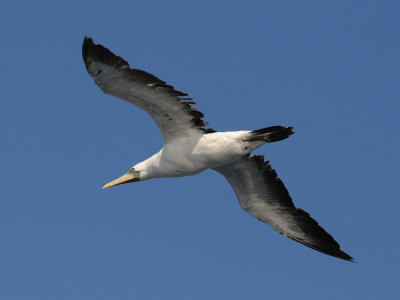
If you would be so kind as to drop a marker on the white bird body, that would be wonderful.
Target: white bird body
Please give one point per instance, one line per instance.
(191, 155)
(189, 149)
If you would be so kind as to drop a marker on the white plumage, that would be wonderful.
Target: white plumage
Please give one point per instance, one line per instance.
(190, 149)
(194, 154)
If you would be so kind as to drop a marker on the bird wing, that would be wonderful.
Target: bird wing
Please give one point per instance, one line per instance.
(171, 109)
(263, 195)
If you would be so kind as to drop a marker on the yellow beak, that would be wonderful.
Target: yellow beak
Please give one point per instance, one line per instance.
(123, 179)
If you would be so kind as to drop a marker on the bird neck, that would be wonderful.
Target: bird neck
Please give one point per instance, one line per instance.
(149, 168)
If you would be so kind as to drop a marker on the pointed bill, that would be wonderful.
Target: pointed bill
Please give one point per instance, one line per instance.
(123, 179)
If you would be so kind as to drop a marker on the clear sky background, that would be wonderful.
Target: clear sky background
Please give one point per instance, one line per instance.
(330, 69)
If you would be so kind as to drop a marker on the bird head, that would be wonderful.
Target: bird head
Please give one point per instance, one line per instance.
(130, 176)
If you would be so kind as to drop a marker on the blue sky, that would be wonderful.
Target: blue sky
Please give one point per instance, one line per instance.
(331, 70)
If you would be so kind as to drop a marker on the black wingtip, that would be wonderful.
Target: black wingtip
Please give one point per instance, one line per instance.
(337, 253)
(86, 46)
(332, 248)
(345, 256)
(97, 52)
(342, 255)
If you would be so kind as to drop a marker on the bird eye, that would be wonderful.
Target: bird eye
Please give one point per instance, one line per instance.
(132, 170)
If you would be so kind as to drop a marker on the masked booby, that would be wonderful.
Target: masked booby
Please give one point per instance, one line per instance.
(190, 148)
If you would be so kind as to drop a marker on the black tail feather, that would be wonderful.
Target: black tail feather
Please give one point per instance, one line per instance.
(271, 134)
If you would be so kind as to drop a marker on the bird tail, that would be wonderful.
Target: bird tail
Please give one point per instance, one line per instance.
(271, 134)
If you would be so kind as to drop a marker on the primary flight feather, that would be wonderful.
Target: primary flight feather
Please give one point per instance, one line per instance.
(190, 148)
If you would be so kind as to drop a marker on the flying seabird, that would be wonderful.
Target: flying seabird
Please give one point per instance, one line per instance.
(190, 148)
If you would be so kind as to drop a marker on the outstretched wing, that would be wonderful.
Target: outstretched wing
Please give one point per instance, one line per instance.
(262, 194)
(171, 109)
